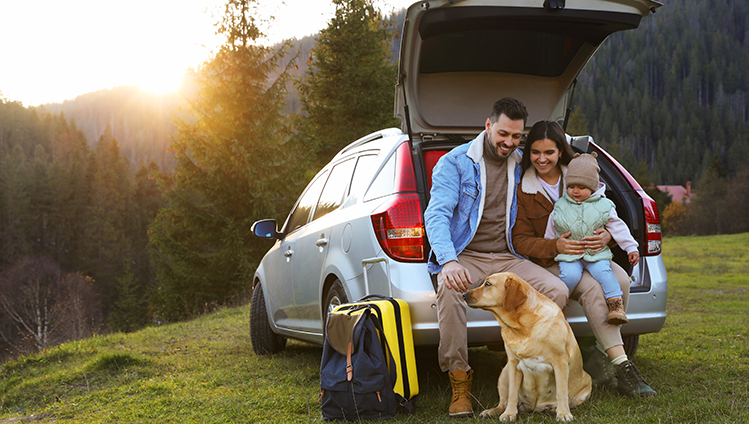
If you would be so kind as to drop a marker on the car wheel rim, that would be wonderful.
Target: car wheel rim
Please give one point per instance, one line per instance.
(335, 301)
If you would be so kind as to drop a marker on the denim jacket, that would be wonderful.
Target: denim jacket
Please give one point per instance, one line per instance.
(457, 201)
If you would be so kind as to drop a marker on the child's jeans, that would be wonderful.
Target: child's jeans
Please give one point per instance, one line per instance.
(571, 272)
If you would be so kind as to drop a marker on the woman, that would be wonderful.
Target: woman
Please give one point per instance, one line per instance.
(545, 158)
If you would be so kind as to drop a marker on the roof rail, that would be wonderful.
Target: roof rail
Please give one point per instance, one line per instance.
(371, 137)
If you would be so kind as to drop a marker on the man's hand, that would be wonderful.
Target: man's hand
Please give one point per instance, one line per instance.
(456, 276)
(570, 247)
(597, 242)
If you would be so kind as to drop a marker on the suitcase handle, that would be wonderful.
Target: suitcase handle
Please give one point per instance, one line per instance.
(371, 261)
(374, 296)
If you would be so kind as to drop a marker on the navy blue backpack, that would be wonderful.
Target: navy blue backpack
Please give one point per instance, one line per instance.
(355, 383)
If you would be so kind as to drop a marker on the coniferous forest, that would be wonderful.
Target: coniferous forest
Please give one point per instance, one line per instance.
(119, 209)
(673, 95)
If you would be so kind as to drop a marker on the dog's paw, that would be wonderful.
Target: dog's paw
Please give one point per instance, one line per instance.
(564, 417)
(508, 417)
(490, 413)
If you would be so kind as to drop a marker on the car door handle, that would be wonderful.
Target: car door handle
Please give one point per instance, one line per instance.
(321, 242)
(288, 253)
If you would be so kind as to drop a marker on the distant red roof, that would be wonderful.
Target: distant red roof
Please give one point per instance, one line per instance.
(678, 193)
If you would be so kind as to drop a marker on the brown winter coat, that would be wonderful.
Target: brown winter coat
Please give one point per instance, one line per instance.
(534, 208)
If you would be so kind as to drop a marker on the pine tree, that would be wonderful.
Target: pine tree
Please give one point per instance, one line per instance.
(233, 166)
(147, 201)
(14, 207)
(107, 247)
(349, 87)
(129, 310)
(69, 176)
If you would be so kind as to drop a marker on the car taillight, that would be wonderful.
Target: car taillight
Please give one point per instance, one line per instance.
(652, 219)
(400, 228)
(652, 225)
(398, 223)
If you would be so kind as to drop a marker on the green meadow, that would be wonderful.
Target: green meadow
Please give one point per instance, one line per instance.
(204, 370)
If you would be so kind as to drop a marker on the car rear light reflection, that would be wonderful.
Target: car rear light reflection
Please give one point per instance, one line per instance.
(400, 229)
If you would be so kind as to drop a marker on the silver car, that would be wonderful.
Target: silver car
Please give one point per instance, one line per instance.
(358, 226)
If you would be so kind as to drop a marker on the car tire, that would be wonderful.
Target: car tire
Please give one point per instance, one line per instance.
(336, 296)
(630, 345)
(264, 340)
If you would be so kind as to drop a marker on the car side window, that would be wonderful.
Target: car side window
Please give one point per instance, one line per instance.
(362, 173)
(335, 188)
(384, 183)
(299, 216)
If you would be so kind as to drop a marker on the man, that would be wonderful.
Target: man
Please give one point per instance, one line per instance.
(468, 222)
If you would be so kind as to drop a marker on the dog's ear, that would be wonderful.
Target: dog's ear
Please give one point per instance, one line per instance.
(514, 294)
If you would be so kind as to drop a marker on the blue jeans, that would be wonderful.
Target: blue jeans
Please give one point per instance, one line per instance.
(571, 272)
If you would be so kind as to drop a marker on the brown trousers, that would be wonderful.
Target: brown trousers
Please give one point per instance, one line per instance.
(451, 309)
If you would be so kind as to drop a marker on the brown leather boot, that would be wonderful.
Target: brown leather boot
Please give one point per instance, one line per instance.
(616, 311)
(461, 403)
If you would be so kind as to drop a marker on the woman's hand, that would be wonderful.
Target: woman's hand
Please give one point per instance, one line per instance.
(597, 242)
(570, 247)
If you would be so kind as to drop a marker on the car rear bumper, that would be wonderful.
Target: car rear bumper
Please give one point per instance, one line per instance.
(646, 309)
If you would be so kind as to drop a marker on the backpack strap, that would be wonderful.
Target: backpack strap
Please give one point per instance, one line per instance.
(349, 367)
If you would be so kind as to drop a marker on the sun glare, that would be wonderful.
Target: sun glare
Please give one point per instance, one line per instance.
(161, 81)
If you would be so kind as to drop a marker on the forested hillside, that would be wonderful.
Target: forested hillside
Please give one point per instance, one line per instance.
(142, 121)
(672, 97)
(73, 231)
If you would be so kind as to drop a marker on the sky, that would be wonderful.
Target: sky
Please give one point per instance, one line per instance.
(52, 50)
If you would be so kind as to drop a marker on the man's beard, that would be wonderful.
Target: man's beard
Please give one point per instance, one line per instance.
(492, 149)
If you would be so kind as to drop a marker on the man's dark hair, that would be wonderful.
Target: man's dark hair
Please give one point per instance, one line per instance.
(512, 108)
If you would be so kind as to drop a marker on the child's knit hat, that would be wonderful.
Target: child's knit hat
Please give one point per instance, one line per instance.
(583, 170)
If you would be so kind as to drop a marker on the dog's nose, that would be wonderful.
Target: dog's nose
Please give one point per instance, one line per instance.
(465, 296)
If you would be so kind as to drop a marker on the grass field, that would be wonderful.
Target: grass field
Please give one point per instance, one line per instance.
(204, 371)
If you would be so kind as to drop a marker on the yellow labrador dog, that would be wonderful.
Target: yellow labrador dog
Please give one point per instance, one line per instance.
(544, 369)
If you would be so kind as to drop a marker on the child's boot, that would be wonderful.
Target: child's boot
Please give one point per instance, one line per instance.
(616, 311)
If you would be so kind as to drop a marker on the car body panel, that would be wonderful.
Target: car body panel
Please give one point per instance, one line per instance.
(277, 299)
(311, 250)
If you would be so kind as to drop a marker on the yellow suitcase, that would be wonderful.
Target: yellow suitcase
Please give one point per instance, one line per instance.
(395, 318)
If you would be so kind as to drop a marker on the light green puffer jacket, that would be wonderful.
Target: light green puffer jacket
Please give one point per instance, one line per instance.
(581, 219)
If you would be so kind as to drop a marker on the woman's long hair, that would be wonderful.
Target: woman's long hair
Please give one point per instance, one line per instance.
(553, 131)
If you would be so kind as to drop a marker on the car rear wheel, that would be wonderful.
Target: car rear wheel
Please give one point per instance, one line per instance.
(264, 340)
(630, 345)
(336, 296)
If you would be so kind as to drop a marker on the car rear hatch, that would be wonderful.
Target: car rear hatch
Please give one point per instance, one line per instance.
(458, 57)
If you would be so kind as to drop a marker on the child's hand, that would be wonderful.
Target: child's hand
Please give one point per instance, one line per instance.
(634, 258)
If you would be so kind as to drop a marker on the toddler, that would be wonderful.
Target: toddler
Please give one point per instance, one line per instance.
(580, 211)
